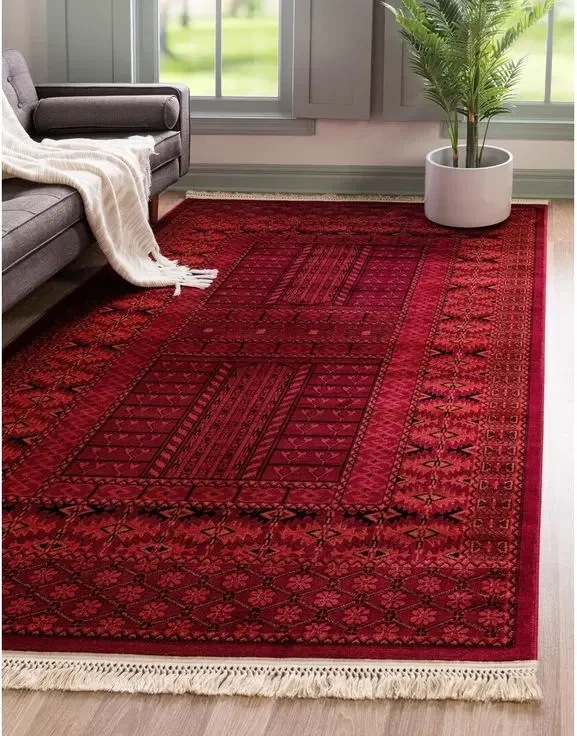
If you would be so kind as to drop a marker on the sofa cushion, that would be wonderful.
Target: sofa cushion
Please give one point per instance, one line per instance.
(106, 114)
(164, 176)
(19, 87)
(167, 144)
(167, 147)
(32, 215)
(40, 265)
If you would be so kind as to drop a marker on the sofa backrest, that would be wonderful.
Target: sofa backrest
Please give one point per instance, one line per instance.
(19, 87)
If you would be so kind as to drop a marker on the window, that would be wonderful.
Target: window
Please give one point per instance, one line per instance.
(234, 55)
(548, 51)
(545, 92)
(258, 66)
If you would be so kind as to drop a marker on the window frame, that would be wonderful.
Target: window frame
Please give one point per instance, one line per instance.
(147, 67)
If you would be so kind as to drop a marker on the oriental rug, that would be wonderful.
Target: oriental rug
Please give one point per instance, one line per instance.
(319, 477)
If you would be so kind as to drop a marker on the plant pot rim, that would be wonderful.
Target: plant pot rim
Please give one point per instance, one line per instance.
(465, 169)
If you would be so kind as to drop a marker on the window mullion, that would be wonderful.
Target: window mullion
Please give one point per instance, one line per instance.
(285, 60)
(549, 57)
(218, 50)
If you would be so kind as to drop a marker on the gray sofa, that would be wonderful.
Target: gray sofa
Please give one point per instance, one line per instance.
(43, 225)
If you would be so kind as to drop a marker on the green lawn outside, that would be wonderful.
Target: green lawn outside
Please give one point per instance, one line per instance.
(249, 61)
(533, 47)
(250, 58)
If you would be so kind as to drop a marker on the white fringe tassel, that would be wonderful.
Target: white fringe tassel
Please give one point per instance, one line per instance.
(355, 680)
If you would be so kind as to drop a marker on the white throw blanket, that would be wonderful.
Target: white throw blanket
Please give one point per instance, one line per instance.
(113, 179)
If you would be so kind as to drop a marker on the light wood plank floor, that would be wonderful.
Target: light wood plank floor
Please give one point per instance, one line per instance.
(102, 714)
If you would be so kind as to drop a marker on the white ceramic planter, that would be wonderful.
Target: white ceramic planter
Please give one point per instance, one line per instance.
(460, 197)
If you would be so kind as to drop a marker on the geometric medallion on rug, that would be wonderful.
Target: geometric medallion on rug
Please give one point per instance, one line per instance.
(321, 476)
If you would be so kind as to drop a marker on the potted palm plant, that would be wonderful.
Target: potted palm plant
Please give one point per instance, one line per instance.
(461, 49)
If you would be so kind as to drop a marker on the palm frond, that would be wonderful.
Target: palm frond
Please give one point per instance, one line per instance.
(431, 58)
(526, 18)
(461, 49)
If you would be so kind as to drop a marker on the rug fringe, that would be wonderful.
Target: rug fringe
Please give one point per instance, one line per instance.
(502, 681)
(288, 196)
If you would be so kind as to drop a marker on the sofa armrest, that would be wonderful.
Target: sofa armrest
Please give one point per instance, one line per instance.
(86, 89)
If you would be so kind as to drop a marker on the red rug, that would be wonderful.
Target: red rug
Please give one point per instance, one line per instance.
(333, 453)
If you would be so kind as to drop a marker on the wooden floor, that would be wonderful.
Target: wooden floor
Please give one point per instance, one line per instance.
(101, 714)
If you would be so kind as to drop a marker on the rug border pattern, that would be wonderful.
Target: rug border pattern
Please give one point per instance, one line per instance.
(351, 679)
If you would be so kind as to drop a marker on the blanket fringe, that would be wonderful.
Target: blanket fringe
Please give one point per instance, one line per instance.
(477, 681)
(179, 275)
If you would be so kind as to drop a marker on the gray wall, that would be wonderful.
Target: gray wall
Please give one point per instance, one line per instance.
(24, 28)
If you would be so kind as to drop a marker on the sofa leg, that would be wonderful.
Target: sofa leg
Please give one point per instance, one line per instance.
(153, 209)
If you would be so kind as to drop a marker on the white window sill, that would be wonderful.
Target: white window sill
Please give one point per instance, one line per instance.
(250, 124)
